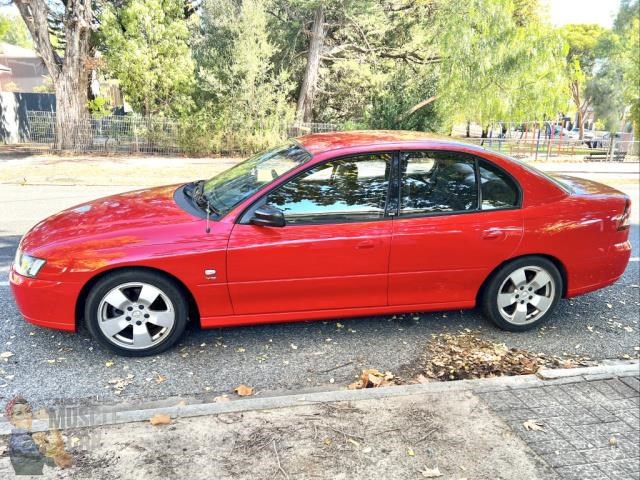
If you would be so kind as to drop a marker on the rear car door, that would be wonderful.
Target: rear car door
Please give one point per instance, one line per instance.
(332, 253)
(458, 217)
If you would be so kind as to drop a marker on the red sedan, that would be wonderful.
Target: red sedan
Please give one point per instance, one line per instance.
(329, 225)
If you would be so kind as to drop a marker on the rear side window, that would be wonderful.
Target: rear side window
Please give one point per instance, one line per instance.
(498, 189)
(437, 181)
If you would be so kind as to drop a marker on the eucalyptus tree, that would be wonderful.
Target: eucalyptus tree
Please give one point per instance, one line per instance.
(65, 60)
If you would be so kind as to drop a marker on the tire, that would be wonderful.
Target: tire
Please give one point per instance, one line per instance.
(522, 294)
(136, 313)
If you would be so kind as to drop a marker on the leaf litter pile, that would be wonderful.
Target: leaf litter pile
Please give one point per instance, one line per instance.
(463, 355)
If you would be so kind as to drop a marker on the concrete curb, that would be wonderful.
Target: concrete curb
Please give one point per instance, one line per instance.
(111, 415)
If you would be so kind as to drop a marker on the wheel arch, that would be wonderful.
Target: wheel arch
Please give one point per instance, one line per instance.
(194, 313)
(556, 261)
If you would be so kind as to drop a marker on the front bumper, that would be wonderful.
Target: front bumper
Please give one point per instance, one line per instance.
(46, 303)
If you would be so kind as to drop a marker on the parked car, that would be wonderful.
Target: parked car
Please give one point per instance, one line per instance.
(559, 131)
(329, 225)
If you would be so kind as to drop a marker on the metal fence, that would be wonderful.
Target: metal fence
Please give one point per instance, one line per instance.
(156, 135)
(115, 134)
(563, 149)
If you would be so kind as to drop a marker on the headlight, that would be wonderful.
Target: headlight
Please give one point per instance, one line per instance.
(27, 265)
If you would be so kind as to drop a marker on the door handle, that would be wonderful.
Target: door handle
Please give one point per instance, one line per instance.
(492, 234)
(365, 245)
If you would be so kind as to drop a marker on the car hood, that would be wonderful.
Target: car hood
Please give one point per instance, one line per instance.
(127, 214)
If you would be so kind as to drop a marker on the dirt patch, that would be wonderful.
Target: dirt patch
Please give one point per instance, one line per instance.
(391, 438)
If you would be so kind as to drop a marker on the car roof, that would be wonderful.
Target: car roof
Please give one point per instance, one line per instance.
(324, 142)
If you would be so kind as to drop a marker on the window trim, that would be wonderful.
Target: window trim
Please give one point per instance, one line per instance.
(245, 217)
(476, 159)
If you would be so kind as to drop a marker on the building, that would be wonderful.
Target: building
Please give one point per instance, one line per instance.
(22, 70)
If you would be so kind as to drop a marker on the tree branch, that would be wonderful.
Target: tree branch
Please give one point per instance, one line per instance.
(415, 108)
(35, 14)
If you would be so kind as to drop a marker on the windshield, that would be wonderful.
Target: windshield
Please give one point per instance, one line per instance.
(231, 187)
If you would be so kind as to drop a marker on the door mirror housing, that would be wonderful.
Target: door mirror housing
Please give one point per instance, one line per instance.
(267, 216)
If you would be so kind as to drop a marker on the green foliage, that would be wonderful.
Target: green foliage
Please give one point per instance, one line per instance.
(243, 99)
(99, 107)
(146, 48)
(498, 63)
(14, 31)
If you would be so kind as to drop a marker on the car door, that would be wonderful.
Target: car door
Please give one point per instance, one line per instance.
(458, 218)
(333, 251)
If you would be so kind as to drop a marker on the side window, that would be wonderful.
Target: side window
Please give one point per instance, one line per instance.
(498, 189)
(437, 182)
(343, 190)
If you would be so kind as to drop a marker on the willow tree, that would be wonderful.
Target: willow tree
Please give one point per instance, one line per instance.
(67, 68)
(498, 63)
(582, 41)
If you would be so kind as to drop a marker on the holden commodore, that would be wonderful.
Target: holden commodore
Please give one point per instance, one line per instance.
(329, 225)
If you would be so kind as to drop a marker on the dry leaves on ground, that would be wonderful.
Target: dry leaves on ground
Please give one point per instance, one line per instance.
(243, 390)
(372, 378)
(533, 426)
(464, 355)
(160, 419)
(431, 472)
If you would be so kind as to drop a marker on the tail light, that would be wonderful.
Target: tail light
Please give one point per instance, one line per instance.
(625, 218)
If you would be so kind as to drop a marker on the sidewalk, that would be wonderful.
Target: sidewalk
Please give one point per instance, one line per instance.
(581, 427)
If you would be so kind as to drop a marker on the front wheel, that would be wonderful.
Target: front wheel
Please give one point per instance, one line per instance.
(522, 294)
(136, 313)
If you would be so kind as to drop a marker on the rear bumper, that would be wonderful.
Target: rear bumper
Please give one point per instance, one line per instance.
(594, 274)
(46, 303)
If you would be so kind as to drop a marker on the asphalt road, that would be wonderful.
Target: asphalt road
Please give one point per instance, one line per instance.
(47, 366)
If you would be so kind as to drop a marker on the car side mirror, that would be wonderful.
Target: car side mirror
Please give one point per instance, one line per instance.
(267, 216)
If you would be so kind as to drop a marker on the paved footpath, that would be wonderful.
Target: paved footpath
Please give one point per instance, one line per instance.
(450, 430)
(590, 428)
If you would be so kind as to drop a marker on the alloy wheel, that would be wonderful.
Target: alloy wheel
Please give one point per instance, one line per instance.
(136, 315)
(526, 295)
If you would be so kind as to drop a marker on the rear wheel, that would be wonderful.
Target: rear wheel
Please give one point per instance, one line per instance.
(522, 294)
(136, 312)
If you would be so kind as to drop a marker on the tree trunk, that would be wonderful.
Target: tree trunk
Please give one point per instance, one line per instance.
(69, 73)
(304, 111)
(72, 118)
(468, 128)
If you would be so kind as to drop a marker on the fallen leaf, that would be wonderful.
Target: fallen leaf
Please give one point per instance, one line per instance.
(108, 363)
(295, 347)
(160, 419)
(160, 378)
(221, 399)
(240, 350)
(339, 325)
(431, 472)
(6, 355)
(366, 450)
(352, 441)
(243, 390)
(63, 460)
(613, 442)
(372, 378)
(532, 425)
(410, 452)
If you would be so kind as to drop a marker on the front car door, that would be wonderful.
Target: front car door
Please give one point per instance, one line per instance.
(458, 218)
(333, 252)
